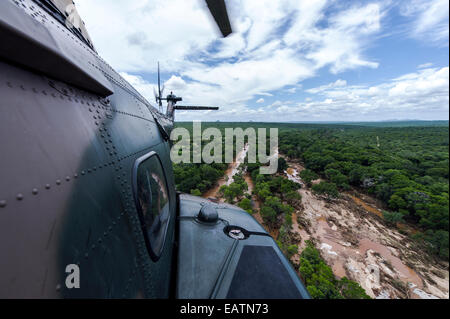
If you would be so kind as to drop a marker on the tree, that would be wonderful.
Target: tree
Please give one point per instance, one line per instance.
(392, 217)
(268, 214)
(282, 165)
(325, 188)
(196, 192)
(246, 204)
(320, 281)
(308, 176)
(351, 290)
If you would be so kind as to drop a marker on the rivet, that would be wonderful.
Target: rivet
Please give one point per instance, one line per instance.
(86, 255)
(47, 186)
(75, 175)
(35, 191)
(58, 287)
(89, 170)
(58, 182)
(2, 203)
(19, 196)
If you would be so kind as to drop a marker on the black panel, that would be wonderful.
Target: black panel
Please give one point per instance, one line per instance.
(261, 275)
(219, 12)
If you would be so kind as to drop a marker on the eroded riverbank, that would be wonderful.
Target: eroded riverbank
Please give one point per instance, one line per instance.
(357, 244)
(354, 240)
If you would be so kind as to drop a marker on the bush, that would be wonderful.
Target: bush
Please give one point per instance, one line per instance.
(196, 192)
(320, 281)
(268, 214)
(392, 217)
(246, 204)
(325, 188)
(308, 176)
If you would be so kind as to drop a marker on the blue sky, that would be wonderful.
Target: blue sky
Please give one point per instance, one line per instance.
(287, 60)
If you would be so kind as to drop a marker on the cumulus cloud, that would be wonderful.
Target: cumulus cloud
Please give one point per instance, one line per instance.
(275, 46)
(338, 83)
(275, 43)
(412, 95)
(261, 100)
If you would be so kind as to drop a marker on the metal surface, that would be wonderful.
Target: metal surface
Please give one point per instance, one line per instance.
(208, 258)
(218, 10)
(71, 130)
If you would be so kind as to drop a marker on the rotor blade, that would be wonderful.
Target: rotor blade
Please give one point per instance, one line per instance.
(218, 10)
(159, 87)
(156, 94)
(196, 108)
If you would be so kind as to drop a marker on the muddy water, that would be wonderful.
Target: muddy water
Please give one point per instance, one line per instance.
(366, 206)
(354, 245)
(407, 275)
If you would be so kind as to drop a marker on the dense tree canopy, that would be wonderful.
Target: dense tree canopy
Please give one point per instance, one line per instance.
(406, 168)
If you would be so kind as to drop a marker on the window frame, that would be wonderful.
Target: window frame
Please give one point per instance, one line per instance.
(155, 257)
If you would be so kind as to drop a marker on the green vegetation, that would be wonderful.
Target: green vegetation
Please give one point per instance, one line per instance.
(272, 191)
(407, 168)
(328, 189)
(320, 281)
(235, 190)
(308, 176)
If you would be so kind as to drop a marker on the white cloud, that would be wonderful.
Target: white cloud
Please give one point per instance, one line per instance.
(275, 46)
(425, 65)
(412, 95)
(291, 90)
(261, 100)
(337, 83)
(264, 94)
(430, 19)
(275, 43)
(175, 83)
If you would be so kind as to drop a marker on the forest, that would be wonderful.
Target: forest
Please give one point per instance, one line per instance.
(404, 167)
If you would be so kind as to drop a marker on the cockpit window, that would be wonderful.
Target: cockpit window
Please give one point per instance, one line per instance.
(152, 202)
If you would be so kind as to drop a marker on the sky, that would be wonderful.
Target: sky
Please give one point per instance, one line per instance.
(286, 60)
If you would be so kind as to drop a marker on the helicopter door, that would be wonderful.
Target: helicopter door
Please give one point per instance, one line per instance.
(152, 202)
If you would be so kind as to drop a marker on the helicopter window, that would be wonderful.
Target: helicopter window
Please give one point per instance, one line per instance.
(152, 202)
